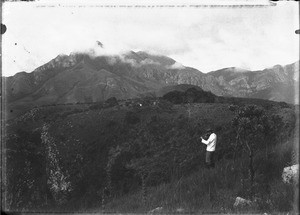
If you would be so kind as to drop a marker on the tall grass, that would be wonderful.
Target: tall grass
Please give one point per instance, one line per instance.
(203, 190)
(215, 190)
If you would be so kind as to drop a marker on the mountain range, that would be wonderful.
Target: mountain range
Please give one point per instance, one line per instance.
(83, 77)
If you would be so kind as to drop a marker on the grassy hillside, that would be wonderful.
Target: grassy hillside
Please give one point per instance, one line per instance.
(136, 155)
(214, 191)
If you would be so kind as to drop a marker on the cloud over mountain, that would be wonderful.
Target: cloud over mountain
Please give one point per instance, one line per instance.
(206, 39)
(176, 65)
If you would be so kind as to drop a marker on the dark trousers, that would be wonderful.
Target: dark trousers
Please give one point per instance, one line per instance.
(209, 159)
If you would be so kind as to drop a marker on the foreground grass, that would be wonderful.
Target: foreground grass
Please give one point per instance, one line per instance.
(215, 190)
(206, 190)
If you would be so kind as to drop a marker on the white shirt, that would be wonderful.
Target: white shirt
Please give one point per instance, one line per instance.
(211, 142)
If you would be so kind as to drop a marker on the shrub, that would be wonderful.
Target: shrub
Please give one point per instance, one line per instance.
(191, 95)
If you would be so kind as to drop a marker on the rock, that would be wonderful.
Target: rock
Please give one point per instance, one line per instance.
(290, 174)
(156, 210)
(240, 202)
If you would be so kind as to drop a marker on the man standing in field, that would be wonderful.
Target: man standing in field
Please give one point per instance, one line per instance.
(211, 143)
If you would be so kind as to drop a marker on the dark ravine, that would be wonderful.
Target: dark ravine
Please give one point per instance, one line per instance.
(81, 77)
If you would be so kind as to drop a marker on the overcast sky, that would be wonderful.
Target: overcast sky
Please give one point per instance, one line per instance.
(201, 37)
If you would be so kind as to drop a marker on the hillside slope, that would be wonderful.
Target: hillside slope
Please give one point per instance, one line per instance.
(278, 83)
(79, 156)
(84, 78)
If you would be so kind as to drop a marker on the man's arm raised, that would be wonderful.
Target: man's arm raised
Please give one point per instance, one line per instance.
(210, 139)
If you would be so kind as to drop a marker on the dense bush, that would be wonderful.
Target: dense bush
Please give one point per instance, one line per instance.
(25, 171)
(191, 95)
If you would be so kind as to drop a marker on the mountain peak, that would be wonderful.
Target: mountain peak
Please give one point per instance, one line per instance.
(97, 74)
(163, 60)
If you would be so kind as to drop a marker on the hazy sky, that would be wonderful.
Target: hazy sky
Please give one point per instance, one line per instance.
(202, 37)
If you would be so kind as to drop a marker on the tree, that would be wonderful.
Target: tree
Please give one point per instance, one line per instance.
(175, 97)
(250, 123)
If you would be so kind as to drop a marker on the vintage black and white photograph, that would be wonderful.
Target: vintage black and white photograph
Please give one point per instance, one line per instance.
(150, 107)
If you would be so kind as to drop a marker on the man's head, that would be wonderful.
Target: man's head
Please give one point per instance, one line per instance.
(209, 130)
